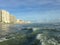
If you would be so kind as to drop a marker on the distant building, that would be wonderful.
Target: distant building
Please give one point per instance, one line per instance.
(20, 21)
(12, 19)
(17, 21)
(27, 22)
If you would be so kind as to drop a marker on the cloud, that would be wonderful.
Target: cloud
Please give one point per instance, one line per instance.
(29, 4)
(18, 3)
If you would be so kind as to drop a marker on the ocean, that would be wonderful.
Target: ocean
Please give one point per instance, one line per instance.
(47, 34)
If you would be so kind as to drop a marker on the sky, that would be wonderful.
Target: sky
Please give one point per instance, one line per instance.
(33, 10)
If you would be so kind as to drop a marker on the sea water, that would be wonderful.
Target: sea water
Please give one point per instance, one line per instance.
(47, 34)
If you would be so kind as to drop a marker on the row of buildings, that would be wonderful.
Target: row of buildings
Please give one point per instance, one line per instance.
(6, 17)
(22, 22)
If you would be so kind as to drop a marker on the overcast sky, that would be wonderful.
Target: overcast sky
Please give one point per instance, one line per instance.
(33, 10)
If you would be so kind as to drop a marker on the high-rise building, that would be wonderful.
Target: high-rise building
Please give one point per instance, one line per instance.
(6, 17)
